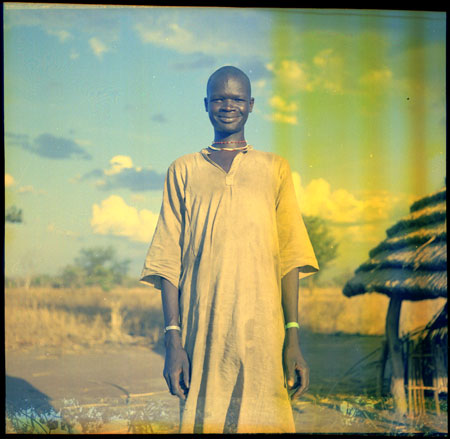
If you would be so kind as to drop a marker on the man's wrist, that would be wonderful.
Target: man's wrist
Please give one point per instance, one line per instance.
(172, 339)
(292, 335)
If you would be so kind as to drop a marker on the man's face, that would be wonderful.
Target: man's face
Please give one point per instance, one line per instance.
(228, 104)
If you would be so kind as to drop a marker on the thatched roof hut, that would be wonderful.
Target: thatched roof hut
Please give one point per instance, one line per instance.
(410, 264)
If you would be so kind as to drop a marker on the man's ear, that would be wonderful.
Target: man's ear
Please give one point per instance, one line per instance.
(206, 104)
(252, 101)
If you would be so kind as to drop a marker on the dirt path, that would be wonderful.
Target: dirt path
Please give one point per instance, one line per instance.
(121, 389)
(91, 389)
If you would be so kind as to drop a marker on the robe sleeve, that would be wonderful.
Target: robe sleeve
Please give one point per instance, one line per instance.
(294, 243)
(164, 254)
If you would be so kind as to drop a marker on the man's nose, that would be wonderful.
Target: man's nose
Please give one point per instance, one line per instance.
(227, 104)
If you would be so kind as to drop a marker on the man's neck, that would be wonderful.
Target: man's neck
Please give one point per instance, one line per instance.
(225, 137)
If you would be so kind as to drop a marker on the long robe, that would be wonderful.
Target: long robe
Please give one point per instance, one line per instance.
(226, 240)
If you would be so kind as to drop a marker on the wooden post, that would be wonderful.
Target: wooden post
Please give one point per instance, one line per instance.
(383, 360)
(411, 392)
(116, 321)
(395, 351)
(434, 353)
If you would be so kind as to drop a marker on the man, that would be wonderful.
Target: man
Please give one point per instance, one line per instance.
(227, 253)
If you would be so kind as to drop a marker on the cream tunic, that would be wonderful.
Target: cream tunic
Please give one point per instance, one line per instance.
(226, 240)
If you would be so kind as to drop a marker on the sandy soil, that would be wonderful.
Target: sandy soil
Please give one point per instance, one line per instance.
(121, 389)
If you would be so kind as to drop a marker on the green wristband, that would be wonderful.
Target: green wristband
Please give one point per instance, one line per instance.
(292, 325)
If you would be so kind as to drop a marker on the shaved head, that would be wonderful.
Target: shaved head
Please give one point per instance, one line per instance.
(228, 102)
(227, 72)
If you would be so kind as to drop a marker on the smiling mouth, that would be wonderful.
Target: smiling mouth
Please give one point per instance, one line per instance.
(227, 119)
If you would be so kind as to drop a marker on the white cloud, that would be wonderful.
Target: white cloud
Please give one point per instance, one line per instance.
(172, 35)
(283, 110)
(340, 206)
(282, 117)
(123, 174)
(259, 84)
(98, 47)
(330, 71)
(82, 142)
(281, 104)
(57, 230)
(118, 163)
(62, 34)
(29, 189)
(138, 198)
(361, 219)
(26, 189)
(323, 57)
(202, 31)
(64, 22)
(325, 72)
(376, 77)
(293, 74)
(114, 217)
(9, 180)
(366, 233)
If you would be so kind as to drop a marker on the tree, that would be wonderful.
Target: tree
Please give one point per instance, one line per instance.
(95, 266)
(323, 242)
(72, 277)
(13, 215)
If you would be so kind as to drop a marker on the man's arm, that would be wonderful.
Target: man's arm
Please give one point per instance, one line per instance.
(176, 365)
(295, 367)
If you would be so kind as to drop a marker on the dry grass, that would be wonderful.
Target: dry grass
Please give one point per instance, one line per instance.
(68, 319)
(328, 311)
(26, 327)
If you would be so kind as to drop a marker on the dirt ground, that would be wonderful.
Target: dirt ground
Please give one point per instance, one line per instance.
(120, 389)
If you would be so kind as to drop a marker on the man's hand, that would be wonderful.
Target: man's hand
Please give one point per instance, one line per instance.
(295, 368)
(176, 365)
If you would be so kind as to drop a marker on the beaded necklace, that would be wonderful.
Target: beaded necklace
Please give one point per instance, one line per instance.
(237, 148)
(231, 141)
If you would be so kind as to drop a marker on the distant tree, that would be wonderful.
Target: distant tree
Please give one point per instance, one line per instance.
(11, 282)
(42, 280)
(95, 266)
(72, 277)
(324, 244)
(13, 215)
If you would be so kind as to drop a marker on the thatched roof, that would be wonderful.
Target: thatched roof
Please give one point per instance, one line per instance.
(412, 261)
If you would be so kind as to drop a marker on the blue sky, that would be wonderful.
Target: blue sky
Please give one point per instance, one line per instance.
(100, 100)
